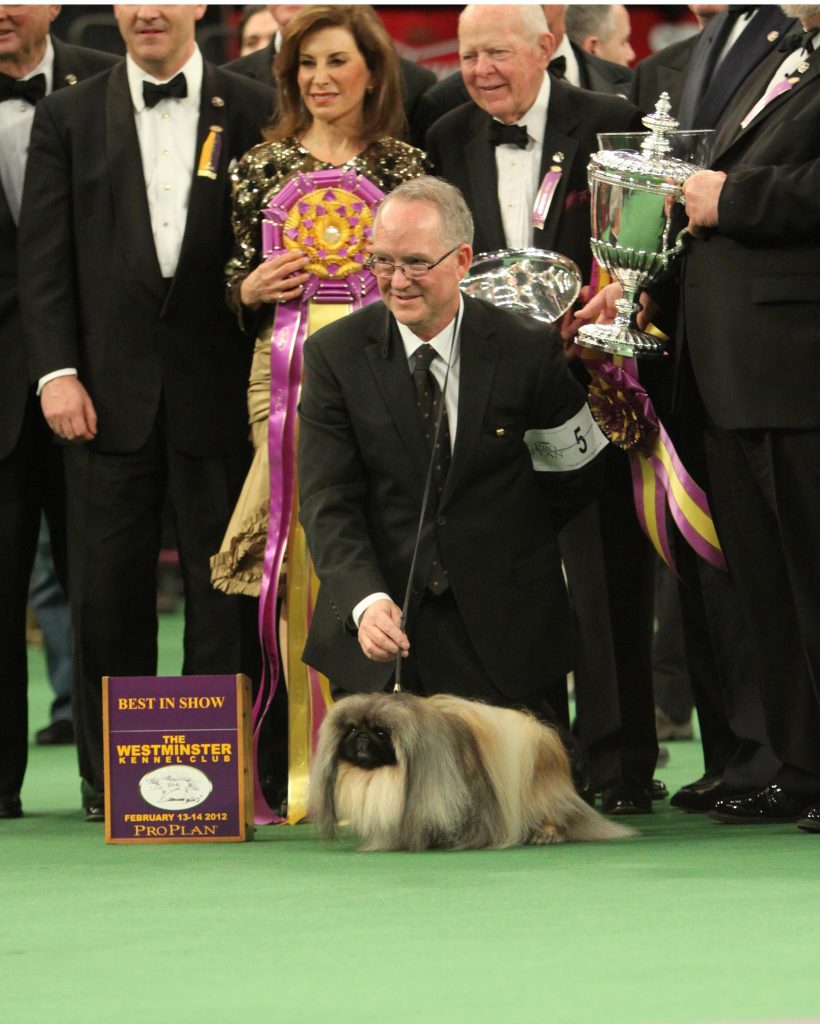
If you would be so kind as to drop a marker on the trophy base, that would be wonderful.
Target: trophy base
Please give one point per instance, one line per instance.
(619, 340)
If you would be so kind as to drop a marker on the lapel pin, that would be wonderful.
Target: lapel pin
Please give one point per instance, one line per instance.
(217, 101)
(70, 79)
(772, 36)
(500, 432)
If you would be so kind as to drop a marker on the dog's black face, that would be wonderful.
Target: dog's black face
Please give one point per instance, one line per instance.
(367, 746)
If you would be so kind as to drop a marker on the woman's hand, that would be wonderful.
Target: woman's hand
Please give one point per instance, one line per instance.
(277, 280)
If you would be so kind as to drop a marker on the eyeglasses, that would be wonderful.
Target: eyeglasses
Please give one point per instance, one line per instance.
(412, 271)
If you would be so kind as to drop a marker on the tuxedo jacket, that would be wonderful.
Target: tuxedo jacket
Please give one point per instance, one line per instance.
(751, 287)
(91, 291)
(71, 64)
(416, 80)
(664, 71)
(362, 467)
(459, 147)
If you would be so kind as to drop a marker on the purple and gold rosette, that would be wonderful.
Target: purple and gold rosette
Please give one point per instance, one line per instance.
(328, 217)
(660, 482)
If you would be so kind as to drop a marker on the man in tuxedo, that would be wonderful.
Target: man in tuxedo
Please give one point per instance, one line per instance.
(601, 29)
(416, 80)
(523, 130)
(141, 370)
(32, 64)
(751, 319)
(568, 61)
(488, 615)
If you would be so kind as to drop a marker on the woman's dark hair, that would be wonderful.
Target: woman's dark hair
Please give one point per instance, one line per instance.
(383, 103)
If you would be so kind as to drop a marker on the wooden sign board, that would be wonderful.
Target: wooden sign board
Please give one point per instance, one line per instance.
(177, 759)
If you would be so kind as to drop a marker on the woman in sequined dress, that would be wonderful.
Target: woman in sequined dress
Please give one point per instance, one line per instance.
(340, 105)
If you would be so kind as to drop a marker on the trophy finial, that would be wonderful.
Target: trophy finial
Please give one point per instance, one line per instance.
(660, 123)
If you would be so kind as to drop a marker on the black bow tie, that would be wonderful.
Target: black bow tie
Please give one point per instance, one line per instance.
(798, 41)
(508, 134)
(558, 67)
(29, 89)
(176, 89)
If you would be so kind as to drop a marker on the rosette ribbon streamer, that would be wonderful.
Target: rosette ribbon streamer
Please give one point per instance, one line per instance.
(660, 482)
(328, 216)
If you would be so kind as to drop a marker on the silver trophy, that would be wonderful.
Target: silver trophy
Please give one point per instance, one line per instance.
(539, 283)
(638, 223)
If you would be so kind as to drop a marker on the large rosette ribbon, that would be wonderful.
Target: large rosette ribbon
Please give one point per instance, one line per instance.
(327, 215)
(624, 413)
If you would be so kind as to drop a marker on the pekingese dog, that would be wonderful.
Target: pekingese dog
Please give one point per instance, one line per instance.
(418, 773)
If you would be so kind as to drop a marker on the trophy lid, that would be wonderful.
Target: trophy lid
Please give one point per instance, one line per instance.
(653, 168)
(537, 282)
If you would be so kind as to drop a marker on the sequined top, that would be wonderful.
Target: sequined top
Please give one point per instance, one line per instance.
(262, 172)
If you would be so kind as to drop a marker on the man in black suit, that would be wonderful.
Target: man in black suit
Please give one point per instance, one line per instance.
(416, 80)
(751, 318)
(568, 61)
(124, 233)
(31, 476)
(504, 52)
(488, 614)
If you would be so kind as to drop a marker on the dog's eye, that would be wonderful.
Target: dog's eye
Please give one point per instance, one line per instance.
(381, 734)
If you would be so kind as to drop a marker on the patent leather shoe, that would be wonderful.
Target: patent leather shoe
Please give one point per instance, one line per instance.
(809, 820)
(56, 733)
(10, 807)
(772, 805)
(658, 790)
(699, 796)
(625, 800)
(94, 811)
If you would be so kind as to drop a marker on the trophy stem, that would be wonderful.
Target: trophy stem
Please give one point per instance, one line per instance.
(621, 337)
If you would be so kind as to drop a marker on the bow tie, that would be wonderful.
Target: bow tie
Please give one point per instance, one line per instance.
(798, 41)
(558, 67)
(176, 89)
(29, 89)
(508, 135)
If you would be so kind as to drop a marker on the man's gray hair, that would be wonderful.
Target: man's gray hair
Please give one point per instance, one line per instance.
(456, 219)
(584, 20)
(531, 17)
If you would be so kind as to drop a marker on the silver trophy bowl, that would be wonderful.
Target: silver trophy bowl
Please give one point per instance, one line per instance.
(638, 223)
(541, 284)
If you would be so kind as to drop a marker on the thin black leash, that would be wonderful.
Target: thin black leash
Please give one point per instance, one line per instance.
(425, 499)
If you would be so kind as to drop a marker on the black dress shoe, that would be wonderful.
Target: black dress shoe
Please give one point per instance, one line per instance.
(658, 790)
(770, 806)
(94, 812)
(58, 732)
(10, 807)
(809, 819)
(623, 800)
(700, 796)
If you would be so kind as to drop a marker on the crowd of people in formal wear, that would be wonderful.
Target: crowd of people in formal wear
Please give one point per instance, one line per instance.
(342, 435)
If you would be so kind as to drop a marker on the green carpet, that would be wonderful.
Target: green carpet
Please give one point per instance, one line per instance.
(691, 922)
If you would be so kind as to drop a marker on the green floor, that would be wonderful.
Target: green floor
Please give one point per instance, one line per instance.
(690, 922)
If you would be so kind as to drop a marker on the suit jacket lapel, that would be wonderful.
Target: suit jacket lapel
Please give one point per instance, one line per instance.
(131, 214)
(207, 198)
(703, 60)
(478, 355)
(561, 122)
(483, 176)
(388, 364)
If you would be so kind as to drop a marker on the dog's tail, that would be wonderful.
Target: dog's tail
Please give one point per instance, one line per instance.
(585, 824)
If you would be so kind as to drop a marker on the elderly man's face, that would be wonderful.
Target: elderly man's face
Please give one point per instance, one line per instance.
(407, 232)
(23, 31)
(502, 69)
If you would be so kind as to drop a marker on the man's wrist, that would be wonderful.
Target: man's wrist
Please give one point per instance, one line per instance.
(69, 371)
(364, 604)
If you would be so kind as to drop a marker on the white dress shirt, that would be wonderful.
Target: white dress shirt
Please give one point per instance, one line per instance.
(788, 67)
(443, 343)
(518, 173)
(16, 119)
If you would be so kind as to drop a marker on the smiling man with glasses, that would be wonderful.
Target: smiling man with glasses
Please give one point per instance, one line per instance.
(430, 382)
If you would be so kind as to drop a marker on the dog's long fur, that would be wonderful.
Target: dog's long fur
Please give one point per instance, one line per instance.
(467, 775)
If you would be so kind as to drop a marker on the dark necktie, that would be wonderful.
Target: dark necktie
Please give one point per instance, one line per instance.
(428, 401)
(508, 135)
(176, 89)
(558, 67)
(29, 89)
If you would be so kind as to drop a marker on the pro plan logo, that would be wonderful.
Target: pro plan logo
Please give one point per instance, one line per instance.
(175, 787)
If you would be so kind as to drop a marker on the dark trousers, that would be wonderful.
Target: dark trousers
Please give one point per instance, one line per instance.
(31, 483)
(765, 491)
(115, 504)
